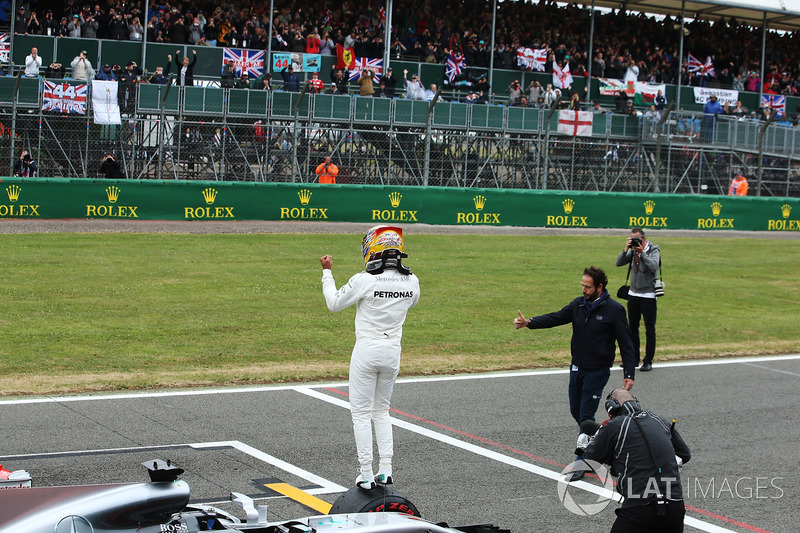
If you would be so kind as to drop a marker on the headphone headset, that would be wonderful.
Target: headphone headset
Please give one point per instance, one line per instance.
(613, 407)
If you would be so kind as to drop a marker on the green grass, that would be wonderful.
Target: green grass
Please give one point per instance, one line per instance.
(90, 312)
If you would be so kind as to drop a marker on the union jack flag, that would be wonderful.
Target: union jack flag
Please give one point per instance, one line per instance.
(706, 69)
(249, 61)
(455, 65)
(5, 47)
(64, 98)
(532, 58)
(381, 17)
(365, 63)
(777, 102)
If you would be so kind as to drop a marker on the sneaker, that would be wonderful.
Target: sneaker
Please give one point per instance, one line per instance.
(365, 482)
(575, 475)
(646, 366)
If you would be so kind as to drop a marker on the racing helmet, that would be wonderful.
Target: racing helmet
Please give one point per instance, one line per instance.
(382, 246)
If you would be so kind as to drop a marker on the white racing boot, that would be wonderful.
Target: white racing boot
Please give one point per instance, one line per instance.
(384, 476)
(365, 481)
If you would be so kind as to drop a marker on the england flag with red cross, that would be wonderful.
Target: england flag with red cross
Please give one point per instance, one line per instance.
(575, 122)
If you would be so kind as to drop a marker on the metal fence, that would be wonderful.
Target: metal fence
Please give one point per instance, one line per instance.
(248, 135)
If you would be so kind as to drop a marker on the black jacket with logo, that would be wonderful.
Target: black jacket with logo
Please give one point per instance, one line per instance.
(594, 333)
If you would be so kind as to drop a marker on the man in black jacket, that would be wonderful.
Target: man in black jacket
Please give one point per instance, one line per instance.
(645, 452)
(598, 324)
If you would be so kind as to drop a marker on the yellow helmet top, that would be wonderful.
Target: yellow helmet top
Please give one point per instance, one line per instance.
(380, 238)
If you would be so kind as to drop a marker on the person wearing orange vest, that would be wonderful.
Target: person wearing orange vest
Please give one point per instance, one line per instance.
(327, 171)
(738, 186)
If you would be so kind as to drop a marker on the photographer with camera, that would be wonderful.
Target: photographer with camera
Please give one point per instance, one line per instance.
(644, 259)
(646, 453)
(25, 166)
(327, 171)
(514, 93)
(110, 167)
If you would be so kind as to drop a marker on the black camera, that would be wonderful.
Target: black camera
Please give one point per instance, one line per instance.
(636, 242)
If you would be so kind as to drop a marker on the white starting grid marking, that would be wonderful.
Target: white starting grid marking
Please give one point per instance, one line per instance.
(324, 486)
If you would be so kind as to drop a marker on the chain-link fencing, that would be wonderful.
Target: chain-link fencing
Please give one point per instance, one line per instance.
(249, 135)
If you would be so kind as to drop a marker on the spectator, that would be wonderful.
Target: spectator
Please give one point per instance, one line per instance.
(135, 30)
(106, 74)
(291, 82)
(598, 109)
(366, 87)
(54, 71)
(534, 91)
(89, 27)
(430, 92)
(514, 93)
(185, 68)
(228, 77)
(25, 166)
(711, 109)
(390, 82)
(340, 78)
(621, 102)
(651, 118)
(33, 63)
(414, 88)
(740, 111)
(5, 12)
(160, 76)
(738, 186)
(195, 32)
(660, 101)
(110, 168)
(315, 85)
(327, 171)
(243, 82)
(21, 21)
(49, 25)
(550, 96)
(381, 92)
(82, 68)
(575, 102)
(74, 27)
(263, 82)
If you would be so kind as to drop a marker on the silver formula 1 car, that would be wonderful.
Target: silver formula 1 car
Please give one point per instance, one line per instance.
(162, 506)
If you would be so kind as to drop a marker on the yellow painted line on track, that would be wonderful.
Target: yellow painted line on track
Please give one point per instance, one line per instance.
(321, 506)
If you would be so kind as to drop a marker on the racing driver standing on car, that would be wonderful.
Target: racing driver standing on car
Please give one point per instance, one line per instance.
(382, 293)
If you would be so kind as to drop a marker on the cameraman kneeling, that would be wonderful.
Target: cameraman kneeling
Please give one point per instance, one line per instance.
(646, 452)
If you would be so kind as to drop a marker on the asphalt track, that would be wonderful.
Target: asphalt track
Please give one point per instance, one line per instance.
(469, 449)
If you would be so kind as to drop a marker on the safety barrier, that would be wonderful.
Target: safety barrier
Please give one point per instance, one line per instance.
(57, 198)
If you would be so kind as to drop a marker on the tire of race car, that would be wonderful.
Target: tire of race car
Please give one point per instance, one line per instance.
(377, 500)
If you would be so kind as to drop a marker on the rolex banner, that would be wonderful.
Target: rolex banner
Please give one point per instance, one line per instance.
(64, 198)
(105, 105)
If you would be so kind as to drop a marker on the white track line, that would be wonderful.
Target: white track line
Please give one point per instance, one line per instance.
(499, 457)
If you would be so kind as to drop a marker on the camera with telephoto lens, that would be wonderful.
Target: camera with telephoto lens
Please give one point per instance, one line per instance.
(636, 242)
(658, 288)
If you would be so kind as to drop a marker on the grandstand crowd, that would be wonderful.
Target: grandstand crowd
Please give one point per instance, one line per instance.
(627, 45)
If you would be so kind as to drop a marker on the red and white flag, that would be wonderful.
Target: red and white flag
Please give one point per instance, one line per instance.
(575, 122)
(561, 78)
(706, 69)
(532, 58)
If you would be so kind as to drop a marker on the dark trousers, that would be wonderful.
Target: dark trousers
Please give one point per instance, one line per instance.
(647, 308)
(645, 518)
(586, 391)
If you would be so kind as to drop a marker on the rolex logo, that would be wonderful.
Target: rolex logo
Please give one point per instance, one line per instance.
(480, 202)
(716, 209)
(786, 210)
(305, 196)
(568, 204)
(13, 192)
(209, 195)
(395, 198)
(649, 205)
(113, 194)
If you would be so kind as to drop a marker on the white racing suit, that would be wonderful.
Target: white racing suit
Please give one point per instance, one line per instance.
(381, 301)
